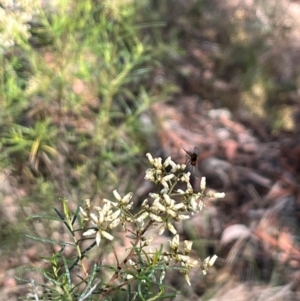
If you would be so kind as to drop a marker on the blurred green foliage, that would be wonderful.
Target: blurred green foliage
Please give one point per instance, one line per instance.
(71, 98)
(74, 94)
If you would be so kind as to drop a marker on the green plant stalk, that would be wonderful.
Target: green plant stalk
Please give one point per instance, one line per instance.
(114, 87)
(69, 224)
(129, 256)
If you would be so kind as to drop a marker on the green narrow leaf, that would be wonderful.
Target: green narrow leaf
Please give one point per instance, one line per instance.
(77, 215)
(41, 216)
(63, 219)
(47, 240)
(67, 273)
(92, 278)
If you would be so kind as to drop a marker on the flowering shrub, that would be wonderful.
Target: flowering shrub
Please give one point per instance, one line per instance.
(141, 268)
(14, 18)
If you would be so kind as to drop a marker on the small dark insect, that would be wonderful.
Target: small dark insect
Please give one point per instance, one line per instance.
(191, 155)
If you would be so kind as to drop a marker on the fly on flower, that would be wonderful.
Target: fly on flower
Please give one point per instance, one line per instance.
(191, 155)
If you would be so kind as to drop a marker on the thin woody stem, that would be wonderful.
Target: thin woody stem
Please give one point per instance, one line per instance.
(120, 266)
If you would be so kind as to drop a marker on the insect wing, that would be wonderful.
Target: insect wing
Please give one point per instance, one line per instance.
(192, 154)
(191, 157)
(196, 151)
(190, 150)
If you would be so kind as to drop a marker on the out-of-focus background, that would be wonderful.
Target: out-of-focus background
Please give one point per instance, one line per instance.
(88, 87)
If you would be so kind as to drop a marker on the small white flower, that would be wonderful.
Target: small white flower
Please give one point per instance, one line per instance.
(157, 163)
(190, 189)
(174, 243)
(106, 208)
(150, 175)
(186, 177)
(117, 196)
(203, 184)
(219, 195)
(94, 218)
(212, 260)
(89, 232)
(207, 263)
(171, 228)
(131, 262)
(171, 212)
(216, 195)
(107, 235)
(157, 205)
(183, 217)
(128, 276)
(167, 162)
(187, 279)
(201, 205)
(168, 199)
(174, 166)
(145, 204)
(154, 195)
(98, 238)
(183, 258)
(164, 190)
(101, 218)
(165, 184)
(178, 206)
(150, 158)
(162, 229)
(142, 217)
(193, 203)
(127, 198)
(187, 246)
(168, 177)
(155, 217)
(84, 214)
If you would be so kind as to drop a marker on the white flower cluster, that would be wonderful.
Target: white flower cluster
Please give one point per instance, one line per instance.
(183, 257)
(107, 217)
(157, 174)
(14, 18)
(163, 209)
(177, 255)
